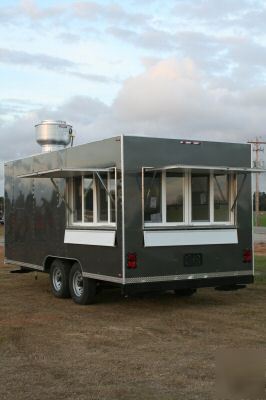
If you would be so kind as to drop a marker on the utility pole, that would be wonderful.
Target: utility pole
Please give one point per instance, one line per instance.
(257, 148)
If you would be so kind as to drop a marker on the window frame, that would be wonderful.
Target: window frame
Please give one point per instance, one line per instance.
(95, 188)
(187, 201)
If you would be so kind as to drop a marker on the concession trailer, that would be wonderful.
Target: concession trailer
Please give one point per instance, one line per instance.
(138, 212)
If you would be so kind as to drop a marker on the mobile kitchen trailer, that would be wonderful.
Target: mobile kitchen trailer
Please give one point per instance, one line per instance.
(139, 212)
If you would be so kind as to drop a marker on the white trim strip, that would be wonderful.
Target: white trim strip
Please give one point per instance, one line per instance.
(102, 277)
(162, 238)
(23, 264)
(90, 237)
(144, 279)
(123, 208)
(184, 277)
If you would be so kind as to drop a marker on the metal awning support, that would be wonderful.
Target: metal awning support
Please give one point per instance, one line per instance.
(150, 187)
(62, 197)
(104, 186)
(64, 172)
(238, 192)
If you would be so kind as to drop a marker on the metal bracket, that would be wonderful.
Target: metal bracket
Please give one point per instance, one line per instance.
(62, 197)
(238, 192)
(106, 189)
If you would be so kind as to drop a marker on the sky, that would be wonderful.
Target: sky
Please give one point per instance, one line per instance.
(172, 68)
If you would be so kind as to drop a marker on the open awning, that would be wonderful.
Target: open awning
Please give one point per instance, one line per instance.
(53, 174)
(64, 172)
(201, 168)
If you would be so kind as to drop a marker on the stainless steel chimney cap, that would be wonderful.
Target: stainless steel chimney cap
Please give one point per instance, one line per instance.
(53, 135)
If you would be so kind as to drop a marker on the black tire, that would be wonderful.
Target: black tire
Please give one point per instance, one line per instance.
(59, 278)
(82, 290)
(185, 292)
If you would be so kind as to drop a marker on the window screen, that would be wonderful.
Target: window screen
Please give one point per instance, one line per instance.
(77, 199)
(174, 197)
(152, 197)
(200, 194)
(221, 197)
(88, 198)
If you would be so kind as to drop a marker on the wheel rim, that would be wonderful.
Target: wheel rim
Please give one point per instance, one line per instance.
(57, 279)
(78, 283)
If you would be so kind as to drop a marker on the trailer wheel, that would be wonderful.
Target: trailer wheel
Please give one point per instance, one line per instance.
(82, 290)
(59, 279)
(185, 292)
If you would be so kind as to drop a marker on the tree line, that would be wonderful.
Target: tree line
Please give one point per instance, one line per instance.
(1, 206)
(262, 201)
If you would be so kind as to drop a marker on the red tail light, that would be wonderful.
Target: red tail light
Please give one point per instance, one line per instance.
(247, 256)
(132, 260)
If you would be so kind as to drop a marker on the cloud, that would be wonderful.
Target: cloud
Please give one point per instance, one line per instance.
(44, 61)
(39, 60)
(213, 11)
(68, 37)
(88, 11)
(170, 98)
(30, 9)
(112, 12)
(151, 38)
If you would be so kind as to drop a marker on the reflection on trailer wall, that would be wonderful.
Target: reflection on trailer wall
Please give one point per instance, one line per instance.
(38, 216)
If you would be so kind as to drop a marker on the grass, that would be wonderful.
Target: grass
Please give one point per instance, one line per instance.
(261, 218)
(2, 229)
(152, 347)
(260, 268)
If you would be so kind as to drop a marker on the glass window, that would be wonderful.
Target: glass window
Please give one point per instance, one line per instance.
(153, 197)
(112, 191)
(88, 198)
(166, 197)
(174, 197)
(221, 197)
(77, 199)
(102, 198)
(200, 193)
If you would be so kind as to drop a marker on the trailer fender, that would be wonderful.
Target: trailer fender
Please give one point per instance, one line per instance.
(49, 259)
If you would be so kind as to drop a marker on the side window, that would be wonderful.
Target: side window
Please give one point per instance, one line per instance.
(93, 199)
(164, 197)
(221, 187)
(88, 198)
(102, 197)
(174, 183)
(77, 199)
(153, 197)
(200, 197)
(188, 198)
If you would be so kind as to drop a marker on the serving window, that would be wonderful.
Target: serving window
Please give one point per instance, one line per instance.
(92, 199)
(188, 198)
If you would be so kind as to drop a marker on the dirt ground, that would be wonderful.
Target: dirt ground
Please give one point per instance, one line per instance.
(260, 249)
(149, 347)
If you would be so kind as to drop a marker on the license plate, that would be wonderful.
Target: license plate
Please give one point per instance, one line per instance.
(193, 260)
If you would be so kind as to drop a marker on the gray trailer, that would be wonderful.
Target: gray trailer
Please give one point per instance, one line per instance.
(137, 212)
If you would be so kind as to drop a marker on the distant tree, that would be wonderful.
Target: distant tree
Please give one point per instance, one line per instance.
(1, 206)
(262, 201)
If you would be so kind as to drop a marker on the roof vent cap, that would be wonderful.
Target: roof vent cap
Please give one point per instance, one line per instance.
(53, 135)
